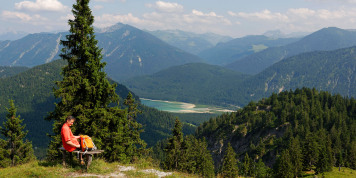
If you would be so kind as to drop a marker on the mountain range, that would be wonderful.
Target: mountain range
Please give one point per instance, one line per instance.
(190, 42)
(127, 51)
(131, 52)
(233, 50)
(325, 39)
(332, 71)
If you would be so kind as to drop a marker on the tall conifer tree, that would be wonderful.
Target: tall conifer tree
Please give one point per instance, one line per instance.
(246, 165)
(229, 167)
(14, 150)
(296, 156)
(174, 147)
(283, 166)
(85, 92)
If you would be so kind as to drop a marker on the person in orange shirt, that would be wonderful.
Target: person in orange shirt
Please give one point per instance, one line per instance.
(70, 142)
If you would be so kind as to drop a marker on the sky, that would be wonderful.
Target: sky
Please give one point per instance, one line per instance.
(235, 18)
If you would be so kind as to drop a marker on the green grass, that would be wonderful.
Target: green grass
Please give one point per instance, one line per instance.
(343, 173)
(100, 167)
(35, 169)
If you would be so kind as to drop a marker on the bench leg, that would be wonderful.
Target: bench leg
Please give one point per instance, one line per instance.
(64, 158)
(89, 158)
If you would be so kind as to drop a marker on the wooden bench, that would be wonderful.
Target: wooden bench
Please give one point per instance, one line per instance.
(88, 154)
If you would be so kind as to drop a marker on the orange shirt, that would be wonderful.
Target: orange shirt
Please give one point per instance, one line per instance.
(67, 135)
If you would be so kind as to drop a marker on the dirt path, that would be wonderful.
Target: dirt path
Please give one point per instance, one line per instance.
(121, 173)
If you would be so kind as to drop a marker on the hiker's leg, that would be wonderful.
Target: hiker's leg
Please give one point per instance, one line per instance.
(81, 158)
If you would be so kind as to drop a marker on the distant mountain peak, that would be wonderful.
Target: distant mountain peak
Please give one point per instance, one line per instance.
(112, 28)
(274, 34)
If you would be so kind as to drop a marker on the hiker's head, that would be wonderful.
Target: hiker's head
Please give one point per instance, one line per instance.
(70, 120)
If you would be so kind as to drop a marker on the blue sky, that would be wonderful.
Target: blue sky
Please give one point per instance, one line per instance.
(235, 18)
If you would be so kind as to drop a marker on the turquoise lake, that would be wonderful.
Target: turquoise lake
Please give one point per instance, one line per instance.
(181, 107)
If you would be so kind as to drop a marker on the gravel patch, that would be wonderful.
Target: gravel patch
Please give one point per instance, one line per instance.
(157, 172)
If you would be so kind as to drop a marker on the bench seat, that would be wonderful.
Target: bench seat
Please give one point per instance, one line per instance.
(88, 154)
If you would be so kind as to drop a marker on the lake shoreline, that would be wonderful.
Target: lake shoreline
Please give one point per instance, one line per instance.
(181, 107)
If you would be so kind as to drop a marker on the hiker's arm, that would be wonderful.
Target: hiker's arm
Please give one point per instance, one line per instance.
(72, 144)
(77, 137)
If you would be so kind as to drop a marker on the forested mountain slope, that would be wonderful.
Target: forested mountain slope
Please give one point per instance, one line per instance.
(317, 126)
(325, 39)
(233, 50)
(32, 92)
(6, 71)
(332, 71)
(194, 83)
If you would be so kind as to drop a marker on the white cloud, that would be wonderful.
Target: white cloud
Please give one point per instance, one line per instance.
(41, 5)
(302, 12)
(15, 15)
(326, 14)
(322, 14)
(263, 15)
(195, 21)
(199, 13)
(10, 15)
(297, 19)
(205, 18)
(167, 7)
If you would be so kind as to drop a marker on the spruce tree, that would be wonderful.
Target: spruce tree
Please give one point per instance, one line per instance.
(229, 166)
(283, 166)
(325, 161)
(5, 160)
(246, 165)
(296, 156)
(85, 93)
(205, 161)
(134, 129)
(14, 150)
(174, 147)
(352, 155)
(261, 169)
(310, 151)
(195, 158)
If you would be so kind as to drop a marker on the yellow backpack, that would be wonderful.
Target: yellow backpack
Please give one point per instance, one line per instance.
(86, 143)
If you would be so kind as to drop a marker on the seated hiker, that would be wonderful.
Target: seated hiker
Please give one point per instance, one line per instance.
(70, 142)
